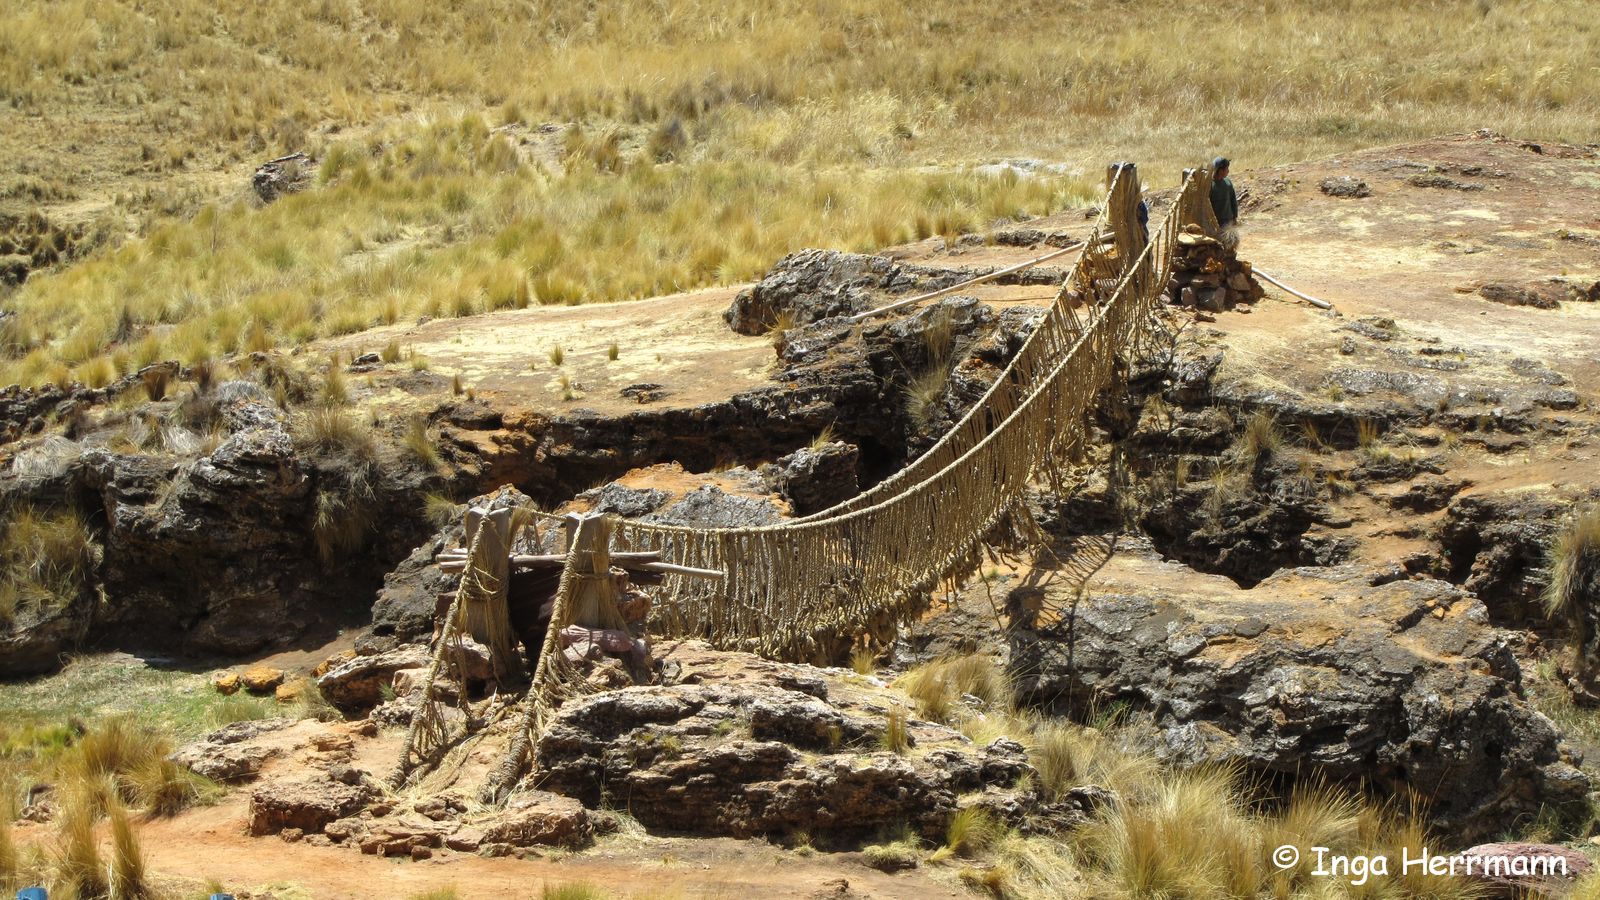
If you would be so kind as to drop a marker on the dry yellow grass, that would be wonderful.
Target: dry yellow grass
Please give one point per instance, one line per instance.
(708, 139)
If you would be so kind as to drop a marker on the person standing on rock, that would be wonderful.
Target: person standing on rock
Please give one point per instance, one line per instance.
(1224, 202)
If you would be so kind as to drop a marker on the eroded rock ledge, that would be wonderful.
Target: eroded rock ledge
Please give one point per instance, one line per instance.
(1396, 685)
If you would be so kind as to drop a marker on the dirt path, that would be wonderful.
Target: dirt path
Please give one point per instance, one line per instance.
(210, 844)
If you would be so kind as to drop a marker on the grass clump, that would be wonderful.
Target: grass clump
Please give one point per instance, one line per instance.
(156, 381)
(335, 389)
(938, 687)
(557, 356)
(1259, 440)
(902, 851)
(79, 868)
(863, 661)
(421, 443)
(923, 393)
(46, 557)
(1574, 587)
(896, 736)
(1573, 595)
(972, 831)
(327, 432)
(344, 517)
(131, 759)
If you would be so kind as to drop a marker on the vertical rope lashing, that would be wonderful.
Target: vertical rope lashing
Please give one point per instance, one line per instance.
(546, 677)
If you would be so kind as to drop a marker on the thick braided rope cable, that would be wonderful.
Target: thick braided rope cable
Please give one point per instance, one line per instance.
(787, 586)
(851, 566)
(1052, 335)
(426, 732)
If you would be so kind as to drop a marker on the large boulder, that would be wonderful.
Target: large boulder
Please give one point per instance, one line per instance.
(235, 752)
(817, 477)
(1515, 869)
(357, 684)
(742, 746)
(1402, 685)
(541, 818)
(307, 803)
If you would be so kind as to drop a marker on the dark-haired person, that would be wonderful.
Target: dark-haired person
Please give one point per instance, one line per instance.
(1224, 201)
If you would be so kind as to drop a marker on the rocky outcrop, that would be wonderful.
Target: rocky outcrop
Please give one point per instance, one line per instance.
(305, 803)
(815, 478)
(1516, 869)
(1538, 294)
(813, 285)
(1345, 186)
(742, 746)
(234, 752)
(1497, 546)
(215, 553)
(1401, 685)
(284, 175)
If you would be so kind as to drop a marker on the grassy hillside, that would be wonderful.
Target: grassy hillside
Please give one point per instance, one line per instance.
(489, 153)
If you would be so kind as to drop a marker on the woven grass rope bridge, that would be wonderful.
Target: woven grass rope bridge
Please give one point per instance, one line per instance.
(809, 589)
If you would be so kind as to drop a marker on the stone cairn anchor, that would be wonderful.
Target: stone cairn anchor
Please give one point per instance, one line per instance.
(607, 612)
(581, 615)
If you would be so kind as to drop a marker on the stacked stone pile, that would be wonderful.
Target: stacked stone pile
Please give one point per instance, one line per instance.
(1208, 275)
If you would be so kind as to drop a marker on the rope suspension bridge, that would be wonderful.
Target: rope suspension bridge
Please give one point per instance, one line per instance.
(805, 589)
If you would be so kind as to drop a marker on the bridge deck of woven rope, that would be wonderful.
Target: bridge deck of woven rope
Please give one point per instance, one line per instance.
(810, 589)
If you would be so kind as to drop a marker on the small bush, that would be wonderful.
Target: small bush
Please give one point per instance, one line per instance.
(613, 351)
(391, 352)
(557, 356)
